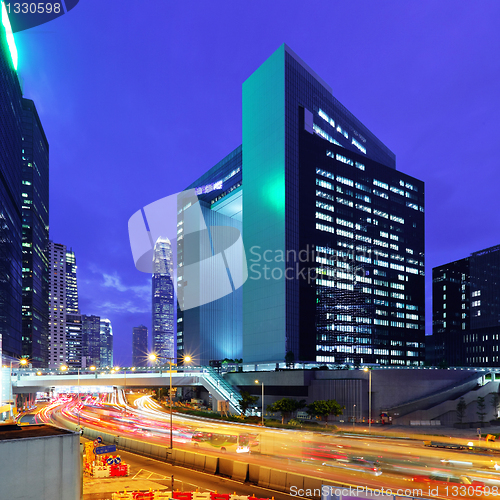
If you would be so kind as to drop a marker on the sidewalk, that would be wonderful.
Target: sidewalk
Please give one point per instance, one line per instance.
(423, 430)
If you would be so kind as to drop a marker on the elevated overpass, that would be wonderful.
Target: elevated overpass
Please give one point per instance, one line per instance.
(29, 381)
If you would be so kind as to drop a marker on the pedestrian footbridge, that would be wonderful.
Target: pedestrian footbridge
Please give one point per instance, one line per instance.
(220, 390)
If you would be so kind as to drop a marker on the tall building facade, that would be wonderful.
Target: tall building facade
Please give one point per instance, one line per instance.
(212, 331)
(106, 343)
(35, 236)
(466, 310)
(74, 326)
(57, 305)
(163, 300)
(11, 130)
(333, 233)
(140, 346)
(91, 340)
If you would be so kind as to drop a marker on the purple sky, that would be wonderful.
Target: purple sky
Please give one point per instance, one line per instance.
(139, 98)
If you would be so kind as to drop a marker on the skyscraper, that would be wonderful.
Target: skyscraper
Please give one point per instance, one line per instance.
(466, 310)
(106, 343)
(163, 300)
(334, 234)
(74, 332)
(11, 127)
(91, 340)
(57, 304)
(140, 346)
(35, 227)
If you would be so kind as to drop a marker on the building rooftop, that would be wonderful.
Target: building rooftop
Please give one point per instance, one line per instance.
(14, 431)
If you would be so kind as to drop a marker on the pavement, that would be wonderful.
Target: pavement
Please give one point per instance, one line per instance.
(418, 431)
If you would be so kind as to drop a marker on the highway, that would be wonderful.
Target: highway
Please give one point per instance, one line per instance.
(358, 460)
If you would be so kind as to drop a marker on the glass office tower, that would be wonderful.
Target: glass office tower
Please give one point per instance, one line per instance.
(106, 343)
(163, 301)
(466, 311)
(35, 236)
(333, 234)
(11, 127)
(340, 230)
(140, 346)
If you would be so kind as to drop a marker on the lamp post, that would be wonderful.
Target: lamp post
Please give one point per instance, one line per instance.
(154, 357)
(353, 415)
(262, 400)
(366, 369)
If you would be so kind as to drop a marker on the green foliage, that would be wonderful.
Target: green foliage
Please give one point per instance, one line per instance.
(481, 405)
(324, 408)
(247, 400)
(285, 406)
(461, 407)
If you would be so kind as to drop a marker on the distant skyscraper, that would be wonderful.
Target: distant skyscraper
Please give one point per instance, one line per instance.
(140, 346)
(71, 284)
(106, 343)
(163, 300)
(57, 304)
(466, 311)
(11, 127)
(35, 213)
(74, 332)
(91, 340)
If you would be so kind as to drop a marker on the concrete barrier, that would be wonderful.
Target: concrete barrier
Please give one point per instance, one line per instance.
(253, 473)
(240, 471)
(264, 477)
(178, 457)
(312, 483)
(225, 467)
(199, 461)
(277, 480)
(211, 464)
(189, 458)
(294, 480)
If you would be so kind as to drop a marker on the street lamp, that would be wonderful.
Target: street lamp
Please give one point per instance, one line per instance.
(353, 415)
(262, 400)
(366, 369)
(154, 357)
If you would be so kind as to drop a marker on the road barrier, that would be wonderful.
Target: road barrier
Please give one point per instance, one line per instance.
(180, 495)
(240, 471)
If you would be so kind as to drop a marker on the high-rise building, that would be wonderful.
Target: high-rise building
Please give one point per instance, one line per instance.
(466, 311)
(11, 130)
(140, 346)
(334, 234)
(35, 227)
(91, 340)
(106, 343)
(163, 300)
(74, 331)
(57, 304)
(212, 331)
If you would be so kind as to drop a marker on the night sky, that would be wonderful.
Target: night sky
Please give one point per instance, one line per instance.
(138, 99)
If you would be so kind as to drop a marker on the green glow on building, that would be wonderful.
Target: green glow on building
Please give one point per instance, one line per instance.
(9, 35)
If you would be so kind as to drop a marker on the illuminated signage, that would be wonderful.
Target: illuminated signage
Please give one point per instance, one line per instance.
(208, 188)
(9, 36)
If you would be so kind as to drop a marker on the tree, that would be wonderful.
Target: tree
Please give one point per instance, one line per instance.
(286, 406)
(461, 407)
(324, 408)
(246, 400)
(289, 359)
(481, 405)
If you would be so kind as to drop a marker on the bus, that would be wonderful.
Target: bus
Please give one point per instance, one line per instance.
(223, 442)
